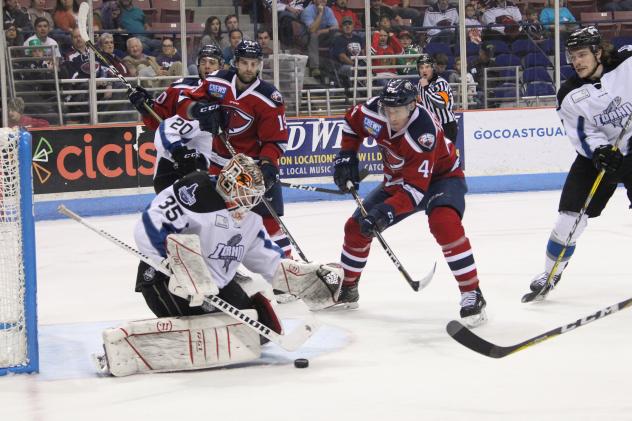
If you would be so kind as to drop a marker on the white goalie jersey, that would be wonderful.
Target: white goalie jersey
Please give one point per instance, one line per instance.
(192, 206)
(179, 131)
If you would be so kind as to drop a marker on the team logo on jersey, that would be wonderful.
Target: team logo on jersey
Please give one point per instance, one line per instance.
(393, 161)
(372, 126)
(238, 121)
(230, 252)
(277, 97)
(221, 221)
(614, 114)
(426, 140)
(217, 91)
(187, 194)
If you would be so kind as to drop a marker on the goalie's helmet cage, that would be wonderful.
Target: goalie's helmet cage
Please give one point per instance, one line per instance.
(240, 182)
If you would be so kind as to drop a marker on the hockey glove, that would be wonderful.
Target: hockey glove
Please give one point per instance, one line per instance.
(346, 168)
(187, 160)
(377, 220)
(139, 97)
(209, 116)
(270, 173)
(607, 159)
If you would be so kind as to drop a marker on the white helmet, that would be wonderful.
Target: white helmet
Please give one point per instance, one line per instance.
(240, 183)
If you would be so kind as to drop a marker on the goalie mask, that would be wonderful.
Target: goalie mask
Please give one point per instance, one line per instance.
(240, 183)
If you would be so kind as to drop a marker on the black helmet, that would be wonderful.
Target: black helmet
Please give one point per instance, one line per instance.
(398, 92)
(248, 49)
(213, 51)
(584, 37)
(425, 59)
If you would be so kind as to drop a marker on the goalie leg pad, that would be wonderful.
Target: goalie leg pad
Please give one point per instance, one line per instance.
(179, 344)
(317, 285)
(191, 278)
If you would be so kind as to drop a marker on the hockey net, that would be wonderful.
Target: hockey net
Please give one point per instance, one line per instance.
(18, 327)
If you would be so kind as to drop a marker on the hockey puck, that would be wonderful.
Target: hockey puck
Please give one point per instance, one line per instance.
(301, 363)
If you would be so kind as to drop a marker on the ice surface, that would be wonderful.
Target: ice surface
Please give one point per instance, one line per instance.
(389, 360)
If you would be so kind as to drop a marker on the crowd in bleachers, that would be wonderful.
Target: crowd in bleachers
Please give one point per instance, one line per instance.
(141, 38)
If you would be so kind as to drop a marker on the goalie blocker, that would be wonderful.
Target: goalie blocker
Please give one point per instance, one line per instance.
(204, 229)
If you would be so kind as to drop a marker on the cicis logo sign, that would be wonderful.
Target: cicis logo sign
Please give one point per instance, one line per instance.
(92, 159)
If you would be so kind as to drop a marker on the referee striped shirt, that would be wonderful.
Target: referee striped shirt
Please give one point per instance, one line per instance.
(437, 98)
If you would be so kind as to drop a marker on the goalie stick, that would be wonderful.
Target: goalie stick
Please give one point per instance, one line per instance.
(469, 339)
(415, 285)
(289, 342)
(548, 286)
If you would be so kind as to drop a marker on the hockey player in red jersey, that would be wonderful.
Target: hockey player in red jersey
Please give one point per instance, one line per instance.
(421, 172)
(254, 123)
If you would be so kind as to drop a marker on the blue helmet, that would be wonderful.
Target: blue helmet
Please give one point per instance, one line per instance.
(213, 51)
(398, 92)
(248, 49)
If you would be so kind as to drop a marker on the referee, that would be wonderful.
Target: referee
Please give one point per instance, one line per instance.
(435, 95)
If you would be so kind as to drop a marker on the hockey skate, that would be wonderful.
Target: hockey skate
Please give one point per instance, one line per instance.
(473, 308)
(349, 296)
(101, 364)
(539, 287)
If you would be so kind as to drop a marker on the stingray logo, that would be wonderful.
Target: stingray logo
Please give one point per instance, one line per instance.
(614, 114)
(393, 161)
(238, 121)
(187, 194)
(230, 252)
(41, 154)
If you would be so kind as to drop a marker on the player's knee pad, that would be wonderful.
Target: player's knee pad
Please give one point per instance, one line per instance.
(353, 236)
(179, 344)
(445, 225)
(564, 225)
(317, 285)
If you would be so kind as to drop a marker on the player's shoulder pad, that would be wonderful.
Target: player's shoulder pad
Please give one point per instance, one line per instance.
(227, 75)
(186, 81)
(268, 90)
(422, 130)
(373, 104)
(197, 193)
(572, 83)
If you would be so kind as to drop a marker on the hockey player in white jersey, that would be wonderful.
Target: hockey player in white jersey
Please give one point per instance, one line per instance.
(205, 225)
(594, 107)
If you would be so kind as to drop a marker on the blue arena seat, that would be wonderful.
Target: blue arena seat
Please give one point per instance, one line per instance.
(536, 74)
(536, 59)
(508, 60)
(500, 47)
(522, 47)
(438, 47)
(540, 89)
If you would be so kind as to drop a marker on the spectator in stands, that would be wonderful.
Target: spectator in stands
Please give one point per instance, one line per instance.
(473, 24)
(406, 41)
(235, 36)
(378, 10)
(41, 33)
(169, 59)
(346, 46)
(386, 24)
(322, 26)
(341, 11)
(567, 20)
(16, 14)
(503, 20)
(402, 9)
(385, 44)
(15, 107)
(441, 65)
(479, 8)
(293, 34)
(12, 36)
(111, 15)
(441, 18)
(212, 34)
(41, 92)
(65, 16)
(106, 46)
(532, 26)
(76, 65)
(231, 22)
(37, 11)
(485, 59)
(455, 77)
(265, 41)
(140, 64)
(618, 6)
(132, 19)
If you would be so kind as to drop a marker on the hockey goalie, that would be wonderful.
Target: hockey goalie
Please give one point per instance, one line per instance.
(202, 228)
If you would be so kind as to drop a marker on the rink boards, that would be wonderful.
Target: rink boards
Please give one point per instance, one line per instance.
(108, 169)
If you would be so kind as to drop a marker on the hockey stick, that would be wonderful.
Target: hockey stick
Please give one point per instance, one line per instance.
(469, 339)
(548, 286)
(363, 173)
(289, 342)
(415, 285)
(82, 24)
(267, 204)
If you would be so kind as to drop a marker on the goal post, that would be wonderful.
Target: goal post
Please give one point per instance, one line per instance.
(18, 308)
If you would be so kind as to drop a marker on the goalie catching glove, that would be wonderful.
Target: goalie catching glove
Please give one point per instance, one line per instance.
(317, 285)
(191, 278)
